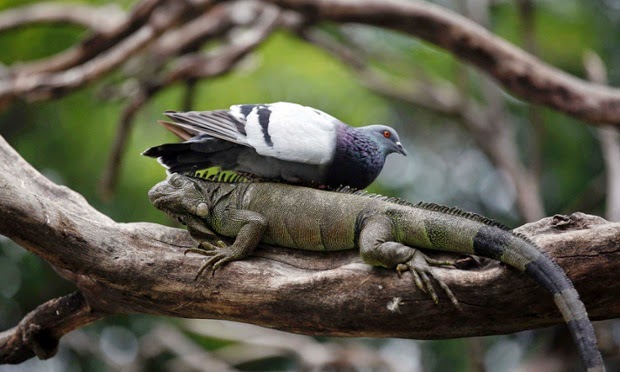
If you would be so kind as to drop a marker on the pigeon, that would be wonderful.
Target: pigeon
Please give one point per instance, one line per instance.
(281, 141)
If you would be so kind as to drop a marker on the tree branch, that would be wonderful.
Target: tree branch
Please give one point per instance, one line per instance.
(39, 332)
(519, 72)
(46, 85)
(99, 19)
(141, 267)
(91, 45)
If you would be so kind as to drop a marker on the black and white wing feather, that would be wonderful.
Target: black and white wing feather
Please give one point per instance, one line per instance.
(219, 124)
(285, 131)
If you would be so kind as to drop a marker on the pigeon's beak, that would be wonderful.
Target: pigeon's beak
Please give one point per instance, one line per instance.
(400, 149)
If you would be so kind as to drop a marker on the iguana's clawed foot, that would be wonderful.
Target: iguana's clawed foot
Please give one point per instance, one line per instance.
(422, 272)
(220, 254)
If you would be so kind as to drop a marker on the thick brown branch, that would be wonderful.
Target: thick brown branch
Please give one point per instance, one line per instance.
(519, 72)
(39, 332)
(141, 267)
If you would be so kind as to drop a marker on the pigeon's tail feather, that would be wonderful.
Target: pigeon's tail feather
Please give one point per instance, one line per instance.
(180, 131)
(219, 123)
(166, 149)
(198, 153)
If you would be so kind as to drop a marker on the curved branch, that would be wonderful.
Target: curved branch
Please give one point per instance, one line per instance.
(39, 332)
(46, 85)
(519, 72)
(141, 267)
(91, 45)
(100, 19)
(196, 66)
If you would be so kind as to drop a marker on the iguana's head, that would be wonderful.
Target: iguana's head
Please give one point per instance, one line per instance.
(180, 196)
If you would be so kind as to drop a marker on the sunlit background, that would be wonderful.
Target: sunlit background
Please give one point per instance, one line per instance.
(69, 140)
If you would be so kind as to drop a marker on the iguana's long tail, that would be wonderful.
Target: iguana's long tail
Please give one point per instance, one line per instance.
(524, 255)
(469, 233)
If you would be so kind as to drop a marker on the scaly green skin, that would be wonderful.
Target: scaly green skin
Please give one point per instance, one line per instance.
(384, 229)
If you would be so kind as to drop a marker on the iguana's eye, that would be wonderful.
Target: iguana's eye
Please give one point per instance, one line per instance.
(202, 210)
(175, 180)
(387, 134)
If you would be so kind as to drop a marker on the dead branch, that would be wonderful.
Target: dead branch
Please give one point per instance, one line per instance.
(519, 72)
(215, 63)
(109, 178)
(91, 45)
(47, 85)
(99, 19)
(141, 268)
(39, 332)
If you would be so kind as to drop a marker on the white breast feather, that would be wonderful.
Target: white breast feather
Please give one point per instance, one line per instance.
(298, 134)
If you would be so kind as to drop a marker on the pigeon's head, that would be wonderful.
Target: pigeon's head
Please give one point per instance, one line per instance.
(387, 138)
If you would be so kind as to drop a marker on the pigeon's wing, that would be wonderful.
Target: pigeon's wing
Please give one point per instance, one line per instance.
(219, 124)
(284, 131)
(289, 132)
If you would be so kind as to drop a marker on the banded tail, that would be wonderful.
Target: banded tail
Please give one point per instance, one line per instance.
(497, 242)
(519, 252)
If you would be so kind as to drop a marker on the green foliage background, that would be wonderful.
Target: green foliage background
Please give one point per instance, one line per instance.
(69, 139)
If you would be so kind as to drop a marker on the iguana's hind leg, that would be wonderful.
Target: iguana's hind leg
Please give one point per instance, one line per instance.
(420, 267)
(247, 226)
(378, 248)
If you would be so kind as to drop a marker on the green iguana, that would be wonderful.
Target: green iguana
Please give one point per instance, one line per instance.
(386, 230)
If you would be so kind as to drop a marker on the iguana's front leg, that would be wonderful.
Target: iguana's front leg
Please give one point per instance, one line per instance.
(199, 231)
(247, 226)
(378, 248)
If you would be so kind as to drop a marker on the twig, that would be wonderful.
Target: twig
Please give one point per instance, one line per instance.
(208, 26)
(91, 45)
(101, 19)
(189, 95)
(610, 142)
(47, 85)
(252, 343)
(110, 175)
(190, 355)
(527, 12)
(219, 61)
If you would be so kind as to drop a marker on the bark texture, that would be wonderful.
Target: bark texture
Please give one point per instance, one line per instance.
(141, 268)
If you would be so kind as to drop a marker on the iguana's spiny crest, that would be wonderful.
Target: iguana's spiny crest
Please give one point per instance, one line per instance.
(278, 142)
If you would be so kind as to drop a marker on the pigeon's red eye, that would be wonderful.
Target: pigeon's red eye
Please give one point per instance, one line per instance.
(386, 134)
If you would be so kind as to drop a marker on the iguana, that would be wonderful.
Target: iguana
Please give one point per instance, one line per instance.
(387, 231)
